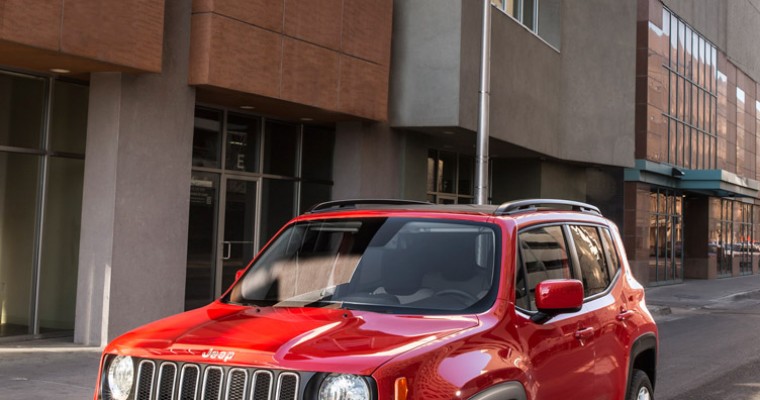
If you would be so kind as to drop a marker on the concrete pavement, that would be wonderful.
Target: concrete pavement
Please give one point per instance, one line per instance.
(57, 369)
(48, 369)
(725, 293)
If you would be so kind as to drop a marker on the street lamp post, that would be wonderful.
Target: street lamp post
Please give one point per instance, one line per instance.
(481, 153)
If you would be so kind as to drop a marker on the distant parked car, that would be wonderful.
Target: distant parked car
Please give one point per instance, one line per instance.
(393, 299)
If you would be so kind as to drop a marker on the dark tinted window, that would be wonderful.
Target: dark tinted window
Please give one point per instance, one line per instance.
(591, 259)
(397, 265)
(611, 250)
(544, 256)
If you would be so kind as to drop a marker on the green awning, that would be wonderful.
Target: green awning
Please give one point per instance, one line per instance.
(713, 182)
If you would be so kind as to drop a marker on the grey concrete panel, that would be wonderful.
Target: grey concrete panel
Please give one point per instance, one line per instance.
(133, 250)
(742, 26)
(706, 16)
(563, 181)
(470, 54)
(366, 163)
(425, 63)
(98, 206)
(598, 82)
(525, 87)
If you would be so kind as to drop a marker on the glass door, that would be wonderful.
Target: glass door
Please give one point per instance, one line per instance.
(237, 245)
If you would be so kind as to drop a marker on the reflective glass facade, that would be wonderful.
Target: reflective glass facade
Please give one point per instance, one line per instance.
(42, 140)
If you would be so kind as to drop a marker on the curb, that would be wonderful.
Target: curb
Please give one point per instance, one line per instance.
(657, 311)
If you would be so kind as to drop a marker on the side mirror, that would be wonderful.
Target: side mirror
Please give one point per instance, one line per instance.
(557, 296)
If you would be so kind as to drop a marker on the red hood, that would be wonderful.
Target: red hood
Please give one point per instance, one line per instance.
(307, 339)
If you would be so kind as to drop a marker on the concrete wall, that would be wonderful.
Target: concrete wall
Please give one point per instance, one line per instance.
(566, 104)
(133, 248)
(598, 82)
(731, 24)
(366, 162)
(425, 63)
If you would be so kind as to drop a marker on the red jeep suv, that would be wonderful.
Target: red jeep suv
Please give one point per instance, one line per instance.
(403, 300)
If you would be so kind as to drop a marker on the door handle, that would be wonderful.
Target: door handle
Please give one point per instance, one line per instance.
(625, 315)
(227, 254)
(585, 333)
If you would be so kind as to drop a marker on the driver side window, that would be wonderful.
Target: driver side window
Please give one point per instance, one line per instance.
(543, 255)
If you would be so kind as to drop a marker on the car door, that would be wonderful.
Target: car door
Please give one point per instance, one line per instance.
(561, 350)
(605, 298)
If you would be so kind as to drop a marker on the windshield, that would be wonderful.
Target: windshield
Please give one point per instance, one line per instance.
(394, 265)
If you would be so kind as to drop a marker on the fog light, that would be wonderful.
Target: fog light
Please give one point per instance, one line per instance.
(121, 375)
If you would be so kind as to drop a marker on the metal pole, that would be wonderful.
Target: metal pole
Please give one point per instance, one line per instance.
(481, 153)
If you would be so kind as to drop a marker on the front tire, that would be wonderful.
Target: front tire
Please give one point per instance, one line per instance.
(641, 387)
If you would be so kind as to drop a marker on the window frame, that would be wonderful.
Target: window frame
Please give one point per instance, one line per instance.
(575, 269)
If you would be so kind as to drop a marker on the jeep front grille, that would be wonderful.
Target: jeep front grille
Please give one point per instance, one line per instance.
(166, 380)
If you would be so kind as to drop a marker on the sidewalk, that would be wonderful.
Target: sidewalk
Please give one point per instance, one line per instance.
(693, 294)
(48, 369)
(57, 369)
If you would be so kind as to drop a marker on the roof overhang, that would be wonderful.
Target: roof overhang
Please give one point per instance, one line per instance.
(713, 182)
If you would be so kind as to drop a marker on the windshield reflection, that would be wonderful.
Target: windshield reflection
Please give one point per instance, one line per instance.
(394, 265)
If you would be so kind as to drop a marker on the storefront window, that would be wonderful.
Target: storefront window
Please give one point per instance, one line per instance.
(733, 236)
(665, 236)
(41, 179)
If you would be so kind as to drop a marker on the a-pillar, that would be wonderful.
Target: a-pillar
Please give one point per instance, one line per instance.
(132, 256)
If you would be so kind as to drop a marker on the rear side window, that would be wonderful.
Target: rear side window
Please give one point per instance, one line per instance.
(611, 250)
(591, 259)
(543, 254)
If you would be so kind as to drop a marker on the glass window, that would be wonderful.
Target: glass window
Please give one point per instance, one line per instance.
(397, 265)
(529, 14)
(201, 255)
(18, 197)
(591, 259)
(277, 206)
(541, 17)
(450, 174)
(611, 250)
(68, 124)
(318, 144)
(242, 143)
(692, 134)
(466, 175)
(280, 148)
(60, 252)
(207, 137)
(313, 194)
(22, 108)
(544, 256)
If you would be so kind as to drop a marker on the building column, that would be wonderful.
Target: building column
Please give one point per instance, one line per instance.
(133, 247)
(367, 161)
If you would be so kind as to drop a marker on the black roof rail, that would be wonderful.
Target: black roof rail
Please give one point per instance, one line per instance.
(338, 204)
(517, 206)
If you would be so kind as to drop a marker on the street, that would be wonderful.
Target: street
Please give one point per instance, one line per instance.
(711, 353)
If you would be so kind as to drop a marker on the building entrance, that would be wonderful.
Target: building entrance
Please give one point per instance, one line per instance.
(250, 176)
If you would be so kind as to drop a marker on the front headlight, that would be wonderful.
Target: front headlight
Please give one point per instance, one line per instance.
(121, 374)
(344, 387)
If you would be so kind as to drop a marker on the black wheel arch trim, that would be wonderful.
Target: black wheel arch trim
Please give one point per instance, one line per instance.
(503, 391)
(645, 342)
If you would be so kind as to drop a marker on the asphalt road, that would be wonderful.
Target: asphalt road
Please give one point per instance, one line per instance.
(711, 353)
